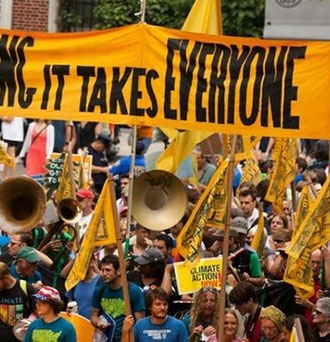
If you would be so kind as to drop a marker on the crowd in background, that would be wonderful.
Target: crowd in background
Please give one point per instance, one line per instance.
(252, 312)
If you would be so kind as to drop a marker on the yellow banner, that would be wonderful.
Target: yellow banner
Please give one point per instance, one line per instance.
(148, 75)
(207, 273)
(5, 158)
(102, 209)
(210, 211)
(285, 154)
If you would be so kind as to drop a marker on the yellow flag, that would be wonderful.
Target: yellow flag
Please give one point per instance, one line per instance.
(256, 243)
(102, 210)
(204, 17)
(293, 335)
(310, 235)
(305, 201)
(179, 149)
(5, 158)
(64, 189)
(285, 154)
(251, 172)
(210, 210)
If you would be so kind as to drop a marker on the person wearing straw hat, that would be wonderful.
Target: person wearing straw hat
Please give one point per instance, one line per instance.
(50, 326)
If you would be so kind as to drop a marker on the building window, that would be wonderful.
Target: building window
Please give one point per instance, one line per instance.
(77, 15)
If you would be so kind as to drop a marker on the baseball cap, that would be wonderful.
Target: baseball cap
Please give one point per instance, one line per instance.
(29, 254)
(84, 193)
(47, 293)
(139, 147)
(105, 140)
(150, 255)
(239, 223)
(219, 233)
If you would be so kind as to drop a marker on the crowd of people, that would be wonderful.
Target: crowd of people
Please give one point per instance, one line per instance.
(260, 306)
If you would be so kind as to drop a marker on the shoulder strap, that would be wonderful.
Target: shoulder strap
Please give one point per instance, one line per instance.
(24, 288)
(22, 284)
(36, 137)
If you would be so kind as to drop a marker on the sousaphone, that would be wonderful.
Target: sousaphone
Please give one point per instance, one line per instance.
(159, 200)
(22, 204)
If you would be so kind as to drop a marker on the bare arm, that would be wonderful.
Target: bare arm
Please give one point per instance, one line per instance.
(95, 317)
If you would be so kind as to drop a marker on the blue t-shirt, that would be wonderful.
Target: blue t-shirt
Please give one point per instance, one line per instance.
(171, 330)
(112, 302)
(31, 280)
(82, 293)
(122, 166)
(59, 330)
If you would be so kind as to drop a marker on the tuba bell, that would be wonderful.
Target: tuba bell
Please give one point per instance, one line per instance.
(159, 200)
(22, 204)
(69, 210)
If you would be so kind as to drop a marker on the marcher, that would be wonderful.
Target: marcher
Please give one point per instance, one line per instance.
(85, 198)
(159, 326)
(15, 301)
(272, 321)
(108, 297)
(12, 129)
(25, 267)
(203, 313)
(122, 166)
(99, 164)
(230, 328)
(50, 326)
(83, 292)
(321, 319)
(245, 299)
(37, 147)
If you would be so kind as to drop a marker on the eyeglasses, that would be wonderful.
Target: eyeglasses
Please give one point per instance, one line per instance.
(14, 242)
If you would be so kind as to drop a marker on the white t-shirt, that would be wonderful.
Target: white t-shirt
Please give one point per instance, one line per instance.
(13, 130)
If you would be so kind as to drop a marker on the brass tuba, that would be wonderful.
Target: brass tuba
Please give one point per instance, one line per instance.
(22, 204)
(69, 210)
(159, 200)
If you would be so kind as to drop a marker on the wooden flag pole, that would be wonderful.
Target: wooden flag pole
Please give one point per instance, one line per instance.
(122, 264)
(130, 189)
(73, 190)
(225, 252)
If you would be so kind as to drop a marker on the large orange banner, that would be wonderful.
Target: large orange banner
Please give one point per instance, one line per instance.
(149, 75)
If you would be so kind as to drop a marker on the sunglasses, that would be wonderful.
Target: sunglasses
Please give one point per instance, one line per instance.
(278, 241)
(209, 289)
(318, 312)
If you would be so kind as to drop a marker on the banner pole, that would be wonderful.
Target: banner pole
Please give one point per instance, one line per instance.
(142, 11)
(225, 252)
(122, 264)
(73, 190)
(130, 190)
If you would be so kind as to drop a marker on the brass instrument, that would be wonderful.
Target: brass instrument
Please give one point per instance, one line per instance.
(69, 212)
(159, 200)
(22, 204)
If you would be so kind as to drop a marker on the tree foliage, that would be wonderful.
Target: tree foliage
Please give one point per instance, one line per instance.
(243, 18)
(167, 13)
(240, 18)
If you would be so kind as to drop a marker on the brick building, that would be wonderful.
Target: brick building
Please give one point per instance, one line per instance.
(42, 15)
(29, 15)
